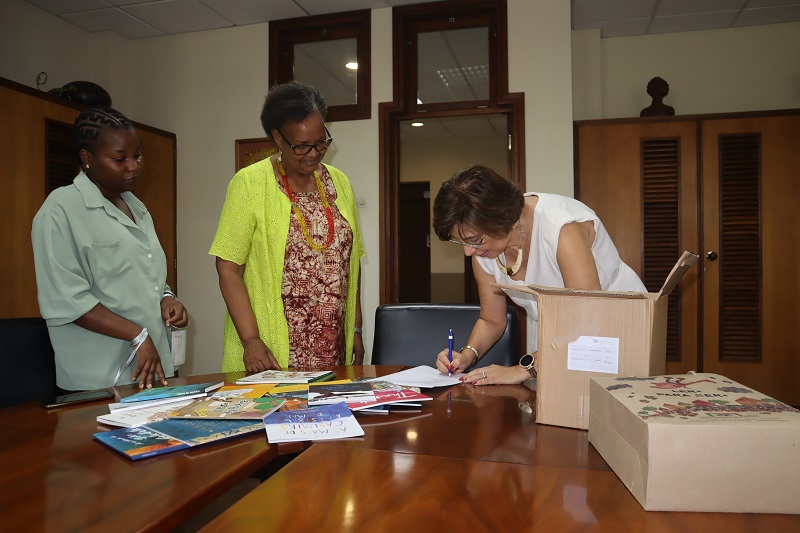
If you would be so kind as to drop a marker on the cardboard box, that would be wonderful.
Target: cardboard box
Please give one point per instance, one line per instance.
(698, 442)
(577, 333)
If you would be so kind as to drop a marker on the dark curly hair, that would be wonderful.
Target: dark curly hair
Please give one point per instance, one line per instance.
(480, 198)
(292, 101)
(91, 122)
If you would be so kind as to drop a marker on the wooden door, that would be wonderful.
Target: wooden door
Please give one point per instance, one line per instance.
(751, 196)
(641, 179)
(414, 239)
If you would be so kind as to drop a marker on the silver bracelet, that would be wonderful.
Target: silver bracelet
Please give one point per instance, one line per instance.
(358, 330)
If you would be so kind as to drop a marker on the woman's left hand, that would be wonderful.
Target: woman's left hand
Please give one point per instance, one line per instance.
(174, 313)
(496, 374)
(358, 349)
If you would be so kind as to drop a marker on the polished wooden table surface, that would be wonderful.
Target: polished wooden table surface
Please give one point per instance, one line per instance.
(56, 477)
(471, 460)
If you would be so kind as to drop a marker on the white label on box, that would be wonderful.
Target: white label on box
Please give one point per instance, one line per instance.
(594, 354)
(178, 347)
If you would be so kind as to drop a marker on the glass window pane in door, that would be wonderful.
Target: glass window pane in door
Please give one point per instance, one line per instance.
(453, 65)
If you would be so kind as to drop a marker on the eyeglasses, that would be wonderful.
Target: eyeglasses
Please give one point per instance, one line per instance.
(304, 148)
(476, 242)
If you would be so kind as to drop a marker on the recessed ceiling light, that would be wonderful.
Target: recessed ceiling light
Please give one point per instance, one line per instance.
(417, 124)
(352, 65)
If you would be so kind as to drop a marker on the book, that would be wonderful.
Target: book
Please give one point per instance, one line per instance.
(324, 422)
(134, 417)
(119, 406)
(139, 442)
(325, 393)
(286, 376)
(293, 400)
(232, 408)
(172, 435)
(293, 387)
(171, 392)
(256, 390)
(390, 397)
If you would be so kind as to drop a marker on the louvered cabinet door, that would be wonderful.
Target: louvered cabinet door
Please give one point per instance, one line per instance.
(751, 255)
(641, 179)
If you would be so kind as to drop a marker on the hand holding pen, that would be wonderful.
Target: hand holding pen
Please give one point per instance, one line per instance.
(450, 353)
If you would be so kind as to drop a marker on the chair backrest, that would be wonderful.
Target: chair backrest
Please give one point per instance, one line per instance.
(413, 334)
(27, 360)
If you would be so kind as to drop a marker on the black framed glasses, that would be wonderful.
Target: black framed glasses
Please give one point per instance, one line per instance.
(304, 148)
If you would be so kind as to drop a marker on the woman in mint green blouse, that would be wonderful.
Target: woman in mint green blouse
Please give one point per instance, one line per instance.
(100, 269)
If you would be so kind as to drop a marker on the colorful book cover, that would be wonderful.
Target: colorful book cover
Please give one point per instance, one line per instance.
(196, 432)
(130, 418)
(232, 408)
(171, 392)
(297, 399)
(324, 422)
(325, 393)
(280, 389)
(389, 397)
(256, 390)
(139, 442)
(285, 376)
(119, 406)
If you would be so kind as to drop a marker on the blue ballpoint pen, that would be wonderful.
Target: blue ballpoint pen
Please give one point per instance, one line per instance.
(450, 353)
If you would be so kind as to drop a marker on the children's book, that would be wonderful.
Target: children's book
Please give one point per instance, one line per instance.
(286, 376)
(324, 422)
(390, 397)
(294, 399)
(325, 393)
(172, 392)
(139, 442)
(293, 387)
(256, 390)
(119, 406)
(232, 408)
(134, 417)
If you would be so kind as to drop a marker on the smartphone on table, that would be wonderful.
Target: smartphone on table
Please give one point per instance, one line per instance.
(77, 397)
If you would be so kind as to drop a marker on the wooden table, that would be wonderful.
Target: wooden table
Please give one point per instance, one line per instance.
(471, 460)
(55, 477)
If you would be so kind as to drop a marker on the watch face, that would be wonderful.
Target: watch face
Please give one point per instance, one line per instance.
(526, 360)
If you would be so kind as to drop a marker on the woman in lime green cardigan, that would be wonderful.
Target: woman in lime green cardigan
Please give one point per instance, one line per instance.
(288, 248)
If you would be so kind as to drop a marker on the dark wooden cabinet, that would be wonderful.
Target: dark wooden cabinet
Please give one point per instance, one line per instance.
(725, 187)
(34, 131)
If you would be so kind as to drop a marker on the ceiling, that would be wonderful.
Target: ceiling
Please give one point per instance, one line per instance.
(136, 19)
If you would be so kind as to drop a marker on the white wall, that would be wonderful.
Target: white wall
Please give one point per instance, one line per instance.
(719, 71)
(208, 88)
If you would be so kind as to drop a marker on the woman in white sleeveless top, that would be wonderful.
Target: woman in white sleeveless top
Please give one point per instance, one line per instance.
(520, 239)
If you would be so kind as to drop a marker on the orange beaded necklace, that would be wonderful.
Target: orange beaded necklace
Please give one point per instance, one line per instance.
(300, 218)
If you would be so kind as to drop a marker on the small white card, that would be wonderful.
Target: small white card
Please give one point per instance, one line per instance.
(594, 354)
(178, 347)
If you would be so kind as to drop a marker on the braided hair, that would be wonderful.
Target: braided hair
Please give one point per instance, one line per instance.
(91, 123)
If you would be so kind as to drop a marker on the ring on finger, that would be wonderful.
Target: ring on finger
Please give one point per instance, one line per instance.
(484, 375)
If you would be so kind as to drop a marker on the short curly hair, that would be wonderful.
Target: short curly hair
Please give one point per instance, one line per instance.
(480, 198)
(292, 101)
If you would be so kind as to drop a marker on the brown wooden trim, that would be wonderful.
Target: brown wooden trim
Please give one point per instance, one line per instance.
(683, 118)
(284, 34)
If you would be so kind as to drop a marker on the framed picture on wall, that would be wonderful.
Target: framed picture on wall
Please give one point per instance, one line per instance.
(249, 151)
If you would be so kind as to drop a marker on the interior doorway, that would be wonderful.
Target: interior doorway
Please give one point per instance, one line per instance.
(433, 149)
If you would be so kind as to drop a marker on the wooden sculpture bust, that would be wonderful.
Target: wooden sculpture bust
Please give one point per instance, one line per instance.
(657, 88)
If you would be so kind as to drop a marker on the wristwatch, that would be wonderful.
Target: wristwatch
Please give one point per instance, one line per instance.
(526, 362)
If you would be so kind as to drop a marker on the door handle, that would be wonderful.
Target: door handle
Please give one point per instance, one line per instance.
(711, 256)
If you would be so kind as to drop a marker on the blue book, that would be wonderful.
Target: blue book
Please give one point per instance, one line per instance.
(172, 435)
(139, 442)
(157, 393)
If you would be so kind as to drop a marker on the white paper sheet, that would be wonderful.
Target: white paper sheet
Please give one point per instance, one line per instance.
(422, 376)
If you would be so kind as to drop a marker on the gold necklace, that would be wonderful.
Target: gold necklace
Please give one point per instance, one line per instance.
(300, 218)
(518, 263)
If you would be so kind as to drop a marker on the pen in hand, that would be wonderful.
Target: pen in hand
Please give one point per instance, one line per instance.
(450, 353)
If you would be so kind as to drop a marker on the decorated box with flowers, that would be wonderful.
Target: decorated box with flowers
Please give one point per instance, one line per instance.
(698, 442)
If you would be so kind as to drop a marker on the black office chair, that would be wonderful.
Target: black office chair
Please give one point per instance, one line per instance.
(413, 334)
(27, 361)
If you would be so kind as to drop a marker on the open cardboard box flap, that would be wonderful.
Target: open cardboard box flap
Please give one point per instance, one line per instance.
(686, 260)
